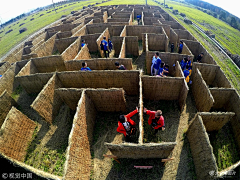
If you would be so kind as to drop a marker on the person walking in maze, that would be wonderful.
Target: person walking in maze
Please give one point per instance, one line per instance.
(126, 125)
(83, 43)
(104, 47)
(84, 67)
(110, 45)
(156, 62)
(156, 120)
(139, 18)
(199, 58)
(180, 47)
(172, 47)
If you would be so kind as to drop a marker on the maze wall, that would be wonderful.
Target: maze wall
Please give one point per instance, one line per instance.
(49, 64)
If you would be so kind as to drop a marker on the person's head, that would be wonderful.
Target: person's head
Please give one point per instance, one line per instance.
(122, 118)
(158, 113)
(181, 42)
(104, 38)
(202, 54)
(166, 66)
(109, 39)
(162, 64)
(187, 66)
(83, 41)
(117, 64)
(156, 54)
(185, 59)
(84, 64)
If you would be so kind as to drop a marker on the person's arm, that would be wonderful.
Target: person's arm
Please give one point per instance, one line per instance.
(89, 69)
(121, 130)
(132, 113)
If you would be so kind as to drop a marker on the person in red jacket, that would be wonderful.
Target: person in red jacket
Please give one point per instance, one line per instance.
(126, 125)
(156, 120)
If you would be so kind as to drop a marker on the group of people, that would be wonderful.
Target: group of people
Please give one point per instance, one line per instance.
(127, 127)
(186, 66)
(159, 68)
(105, 46)
(118, 66)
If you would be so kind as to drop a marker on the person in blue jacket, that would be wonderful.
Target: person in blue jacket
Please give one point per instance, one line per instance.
(104, 47)
(139, 18)
(180, 47)
(84, 67)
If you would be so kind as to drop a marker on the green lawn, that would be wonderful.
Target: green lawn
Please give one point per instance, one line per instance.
(10, 40)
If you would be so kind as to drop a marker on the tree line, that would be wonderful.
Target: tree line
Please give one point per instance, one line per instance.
(216, 12)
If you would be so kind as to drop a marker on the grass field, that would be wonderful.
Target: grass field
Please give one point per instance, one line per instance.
(10, 40)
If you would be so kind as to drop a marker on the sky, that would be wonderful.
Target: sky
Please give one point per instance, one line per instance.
(12, 8)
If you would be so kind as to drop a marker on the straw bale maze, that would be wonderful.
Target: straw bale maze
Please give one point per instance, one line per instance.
(57, 122)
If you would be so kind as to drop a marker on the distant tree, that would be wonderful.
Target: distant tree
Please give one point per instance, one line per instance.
(222, 15)
(215, 15)
(233, 22)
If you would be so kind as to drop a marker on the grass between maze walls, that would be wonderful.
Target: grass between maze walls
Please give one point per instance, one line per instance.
(224, 147)
(8, 41)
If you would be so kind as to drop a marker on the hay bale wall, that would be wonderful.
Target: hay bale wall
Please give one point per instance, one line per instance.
(65, 34)
(118, 20)
(6, 103)
(35, 82)
(76, 29)
(202, 95)
(183, 95)
(97, 28)
(162, 88)
(100, 38)
(215, 121)
(128, 80)
(16, 134)
(78, 156)
(47, 103)
(62, 27)
(124, 32)
(166, 57)
(123, 49)
(201, 149)
(196, 48)
(138, 30)
(45, 49)
(29, 56)
(83, 53)
(108, 100)
(178, 70)
(141, 130)
(39, 38)
(4, 67)
(132, 45)
(212, 75)
(135, 151)
(91, 39)
(28, 69)
(82, 31)
(173, 24)
(70, 96)
(98, 64)
(117, 44)
(158, 42)
(184, 34)
(115, 30)
(186, 50)
(71, 52)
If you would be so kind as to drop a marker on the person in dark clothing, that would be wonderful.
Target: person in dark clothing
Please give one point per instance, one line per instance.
(172, 47)
(120, 67)
(199, 58)
(110, 45)
(139, 18)
(180, 47)
(104, 47)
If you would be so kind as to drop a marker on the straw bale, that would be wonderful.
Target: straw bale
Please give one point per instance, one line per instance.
(136, 151)
(27, 50)
(108, 100)
(221, 97)
(100, 38)
(70, 96)
(98, 64)
(124, 32)
(47, 103)
(117, 43)
(178, 70)
(138, 30)
(35, 82)
(8, 81)
(83, 53)
(29, 56)
(132, 45)
(62, 27)
(90, 40)
(165, 88)
(166, 57)
(28, 69)
(115, 30)
(212, 74)
(71, 52)
(184, 34)
(141, 131)
(202, 95)
(157, 42)
(45, 49)
(81, 32)
(39, 38)
(196, 48)
(62, 44)
(76, 29)
(97, 28)
(16, 133)
(118, 20)
(201, 149)
(174, 24)
(65, 34)
(6, 103)
(128, 80)
(77, 165)
(215, 121)
(123, 49)
(4, 67)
